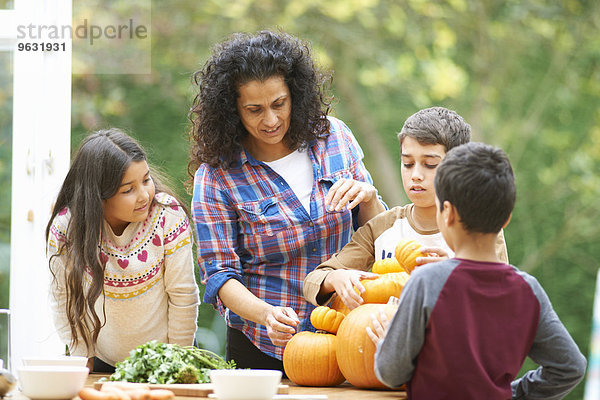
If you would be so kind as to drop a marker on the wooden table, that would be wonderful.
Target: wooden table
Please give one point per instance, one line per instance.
(344, 391)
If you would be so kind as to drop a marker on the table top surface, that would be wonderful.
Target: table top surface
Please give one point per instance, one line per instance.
(344, 391)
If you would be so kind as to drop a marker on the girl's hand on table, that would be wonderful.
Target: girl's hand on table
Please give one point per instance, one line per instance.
(349, 192)
(281, 324)
(343, 282)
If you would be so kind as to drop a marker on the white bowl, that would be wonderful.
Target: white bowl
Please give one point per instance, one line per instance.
(74, 361)
(51, 381)
(245, 384)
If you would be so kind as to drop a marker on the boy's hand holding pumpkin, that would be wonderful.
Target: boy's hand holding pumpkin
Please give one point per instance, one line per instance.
(343, 282)
(434, 254)
(380, 322)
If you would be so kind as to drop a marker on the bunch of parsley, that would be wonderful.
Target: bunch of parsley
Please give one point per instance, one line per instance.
(156, 362)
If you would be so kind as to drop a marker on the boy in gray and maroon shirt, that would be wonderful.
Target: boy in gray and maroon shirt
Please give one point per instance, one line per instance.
(464, 326)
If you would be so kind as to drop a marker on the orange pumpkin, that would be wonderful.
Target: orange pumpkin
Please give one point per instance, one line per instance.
(400, 277)
(309, 359)
(326, 319)
(354, 349)
(380, 290)
(387, 265)
(406, 253)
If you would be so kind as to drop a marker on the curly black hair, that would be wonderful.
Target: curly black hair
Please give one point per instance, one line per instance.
(217, 132)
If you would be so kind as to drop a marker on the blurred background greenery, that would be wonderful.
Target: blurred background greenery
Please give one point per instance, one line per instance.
(524, 74)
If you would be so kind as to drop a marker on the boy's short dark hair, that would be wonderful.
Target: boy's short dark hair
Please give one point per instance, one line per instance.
(437, 125)
(478, 180)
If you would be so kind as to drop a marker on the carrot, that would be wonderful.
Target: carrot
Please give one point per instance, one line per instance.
(119, 393)
(92, 394)
(139, 394)
(124, 385)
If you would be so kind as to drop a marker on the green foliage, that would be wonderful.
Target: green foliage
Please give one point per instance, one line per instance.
(156, 362)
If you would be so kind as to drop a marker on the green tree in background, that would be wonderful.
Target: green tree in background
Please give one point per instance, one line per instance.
(525, 74)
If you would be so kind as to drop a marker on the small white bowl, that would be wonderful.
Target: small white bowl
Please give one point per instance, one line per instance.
(74, 361)
(245, 384)
(51, 381)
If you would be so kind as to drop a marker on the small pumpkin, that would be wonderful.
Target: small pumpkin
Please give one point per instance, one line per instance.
(338, 305)
(400, 277)
(326, 319)
(309, 359)
(406, 253)
(380, 290)
(387, 265)
(355, 350)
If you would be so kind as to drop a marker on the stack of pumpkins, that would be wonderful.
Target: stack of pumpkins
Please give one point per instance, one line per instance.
(340, 349)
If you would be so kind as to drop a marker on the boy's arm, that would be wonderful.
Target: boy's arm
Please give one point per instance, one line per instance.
(358, 254)
(562, 365)
(396, 355)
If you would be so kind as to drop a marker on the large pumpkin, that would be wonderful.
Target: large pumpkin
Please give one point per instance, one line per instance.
(326, 319)
(406, 253)
(380, 290)
(354, 349)
(387, 265)
(309, 359)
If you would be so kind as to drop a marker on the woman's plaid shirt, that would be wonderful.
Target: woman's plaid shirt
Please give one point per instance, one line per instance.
(251, 227)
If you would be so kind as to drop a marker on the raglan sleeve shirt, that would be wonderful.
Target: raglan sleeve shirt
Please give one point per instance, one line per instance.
(357, 254)
(562, 365)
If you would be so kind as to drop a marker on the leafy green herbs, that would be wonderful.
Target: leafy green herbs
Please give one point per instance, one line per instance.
(156, 362)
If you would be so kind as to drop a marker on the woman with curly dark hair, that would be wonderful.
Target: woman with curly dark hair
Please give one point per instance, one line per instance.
(277, 187)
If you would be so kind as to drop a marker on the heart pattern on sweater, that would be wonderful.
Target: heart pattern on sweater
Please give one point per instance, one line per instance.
(103, 258)
(162, 222)
(123, 263)
(156, 241)
(143, 256)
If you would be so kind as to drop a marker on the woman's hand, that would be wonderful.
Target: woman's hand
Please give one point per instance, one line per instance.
(343, 282)
(349, 192)
(434, 254)
(281, 324)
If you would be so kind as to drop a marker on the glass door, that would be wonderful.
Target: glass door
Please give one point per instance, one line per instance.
(6, 110)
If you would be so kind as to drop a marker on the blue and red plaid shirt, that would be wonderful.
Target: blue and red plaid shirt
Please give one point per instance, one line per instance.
(251, 226)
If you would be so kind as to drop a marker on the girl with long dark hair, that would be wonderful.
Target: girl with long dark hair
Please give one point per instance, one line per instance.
(120, 251)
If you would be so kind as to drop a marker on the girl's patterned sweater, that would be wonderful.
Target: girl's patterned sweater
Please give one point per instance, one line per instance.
(149, 287)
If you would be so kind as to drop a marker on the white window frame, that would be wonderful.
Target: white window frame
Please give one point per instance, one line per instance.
(40, 160)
